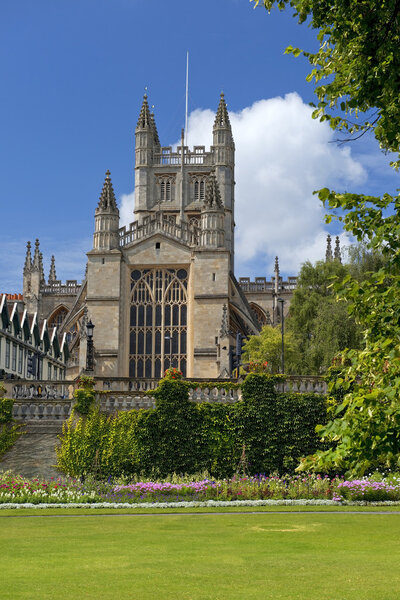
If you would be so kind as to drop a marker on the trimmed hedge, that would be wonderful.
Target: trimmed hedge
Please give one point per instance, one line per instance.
(265, 432)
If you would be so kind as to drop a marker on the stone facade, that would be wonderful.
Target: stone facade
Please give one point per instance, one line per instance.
(162, 291)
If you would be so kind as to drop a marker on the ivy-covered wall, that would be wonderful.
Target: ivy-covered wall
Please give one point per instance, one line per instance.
(265, 432)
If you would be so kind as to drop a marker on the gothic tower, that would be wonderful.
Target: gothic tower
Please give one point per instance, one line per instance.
(224, 160)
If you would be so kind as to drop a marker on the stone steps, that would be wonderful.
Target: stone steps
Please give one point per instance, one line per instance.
(33, 454)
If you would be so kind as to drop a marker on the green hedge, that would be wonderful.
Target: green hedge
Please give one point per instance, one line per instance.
(9, 432)
(264, 432)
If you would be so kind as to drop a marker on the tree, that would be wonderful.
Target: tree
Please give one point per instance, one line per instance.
(267, 347)
(358, 64)
(321, 326)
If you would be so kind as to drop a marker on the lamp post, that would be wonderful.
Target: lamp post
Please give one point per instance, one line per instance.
(281, 302)
(90, 353)
(168, 337)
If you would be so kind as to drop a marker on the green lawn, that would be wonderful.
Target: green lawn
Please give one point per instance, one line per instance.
(236, 556)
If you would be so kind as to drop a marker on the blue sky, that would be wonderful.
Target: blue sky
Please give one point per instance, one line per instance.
(73, 74)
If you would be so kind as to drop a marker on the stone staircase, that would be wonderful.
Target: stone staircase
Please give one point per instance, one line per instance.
(33, 454)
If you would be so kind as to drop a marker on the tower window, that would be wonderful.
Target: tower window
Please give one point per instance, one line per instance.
(199, 190)
(165, 190)
(158, 245)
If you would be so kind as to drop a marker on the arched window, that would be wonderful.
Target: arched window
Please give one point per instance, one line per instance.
(58, 317)
(165, 190)
(263, 318)
(158, 321)
(199, 189)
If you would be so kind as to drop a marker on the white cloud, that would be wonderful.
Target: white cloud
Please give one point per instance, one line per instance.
(282, 156)
(127, 203)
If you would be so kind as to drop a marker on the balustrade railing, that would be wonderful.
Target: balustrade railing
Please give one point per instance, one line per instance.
(39, 409)
(198, 156)
(33, 390)
(53, 401)
(182, 232)
(70, 287)
(302, 384)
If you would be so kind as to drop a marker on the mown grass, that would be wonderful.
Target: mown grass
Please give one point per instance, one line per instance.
(136, 509)
(248, 556)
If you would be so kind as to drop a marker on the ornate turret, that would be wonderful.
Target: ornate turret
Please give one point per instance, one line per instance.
(106, 219)
(52, 273)
(36, 257)
(28, 258)
(155, 132)
(41, 269)
(212, 216)
(223, 143)
(276, 271)
(328, 253)
(338, 255)
(146, 136)
(32, 278)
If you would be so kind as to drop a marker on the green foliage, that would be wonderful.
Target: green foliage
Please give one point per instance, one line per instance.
(6, 410)
(358, 61)
(180, 436)
(84, 400)
(9, 433)
(177, 424)
(356, 66)
(86, 381)
(321, 326)
(98, 444)
(267, 347)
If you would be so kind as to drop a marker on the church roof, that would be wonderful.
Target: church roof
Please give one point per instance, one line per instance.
(107, 199)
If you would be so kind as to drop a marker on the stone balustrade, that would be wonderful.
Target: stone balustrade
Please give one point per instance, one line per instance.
(302, 384)
(36, 390)
(135, 232)
(53, 400)
(41, 410)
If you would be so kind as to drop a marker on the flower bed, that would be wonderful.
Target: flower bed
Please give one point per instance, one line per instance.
(246, 491)
(369, 490)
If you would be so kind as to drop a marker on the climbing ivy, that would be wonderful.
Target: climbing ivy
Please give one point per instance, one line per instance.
(264, 432)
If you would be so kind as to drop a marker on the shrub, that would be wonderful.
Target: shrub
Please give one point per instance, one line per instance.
(265, 432)
(84, 400)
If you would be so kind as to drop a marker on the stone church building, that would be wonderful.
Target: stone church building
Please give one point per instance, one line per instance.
(162, 292)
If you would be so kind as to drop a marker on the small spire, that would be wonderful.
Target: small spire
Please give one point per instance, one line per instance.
(36, 256)
(212, 197)
(52, 274)
(222, 116)
(144, 121)
(107, 198)
(277, 278)
(28, 258)
(41, 270)
(338, 255)
(328, 253)
(154, 128)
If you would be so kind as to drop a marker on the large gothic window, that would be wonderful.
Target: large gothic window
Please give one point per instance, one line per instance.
(158, 321)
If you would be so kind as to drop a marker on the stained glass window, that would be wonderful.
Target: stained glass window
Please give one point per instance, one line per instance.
(158, 321)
